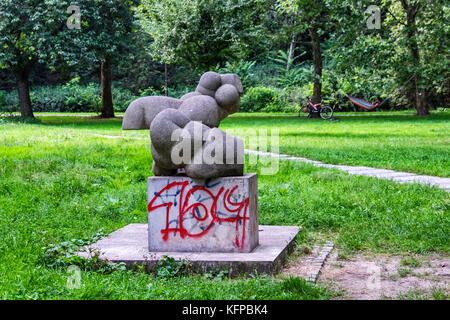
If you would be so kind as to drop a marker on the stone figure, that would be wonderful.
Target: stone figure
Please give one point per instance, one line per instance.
(184, 132)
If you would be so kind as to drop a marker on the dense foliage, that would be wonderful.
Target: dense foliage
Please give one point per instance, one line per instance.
(284, 52)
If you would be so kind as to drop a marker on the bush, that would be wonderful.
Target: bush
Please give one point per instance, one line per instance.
(262, 99)
(9, 102)
(68, 98)
(71, 97)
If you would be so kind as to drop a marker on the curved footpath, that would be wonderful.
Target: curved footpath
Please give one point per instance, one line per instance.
(400, 177)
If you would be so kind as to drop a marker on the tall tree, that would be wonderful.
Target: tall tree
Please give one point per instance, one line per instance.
(106, 33)
(313, 17)
(409, 45)
(410, 27)
(32, 31)
(202, 33)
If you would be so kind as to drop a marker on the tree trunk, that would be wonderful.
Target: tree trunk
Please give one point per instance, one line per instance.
(107, 103)
(166, 81)
(422, 108)
(317, 57)
(23, 90)
(291, 53)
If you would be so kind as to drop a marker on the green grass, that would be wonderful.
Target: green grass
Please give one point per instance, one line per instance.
(395, 141)
(62, 179)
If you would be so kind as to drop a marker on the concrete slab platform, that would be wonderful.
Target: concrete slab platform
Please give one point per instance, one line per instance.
(130, 245)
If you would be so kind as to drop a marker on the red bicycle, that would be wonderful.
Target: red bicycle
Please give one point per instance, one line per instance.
(325, 112)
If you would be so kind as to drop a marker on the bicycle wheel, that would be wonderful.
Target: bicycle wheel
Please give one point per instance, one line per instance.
(326, 112)
(303, 112)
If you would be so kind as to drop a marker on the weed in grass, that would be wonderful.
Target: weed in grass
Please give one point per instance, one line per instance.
(64, 255)
(403, 272)
(217, 275)
(343, 256)
(439, 294)
(301, 287)
(168, 267)
(414, 294)
(410, 261)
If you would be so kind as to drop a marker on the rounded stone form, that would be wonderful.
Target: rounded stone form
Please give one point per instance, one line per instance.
(190, 94)
(202, 108)
(210, 80)
(162, 127)
(141, 112)
(234, 80)
(159, 171)
(227, 97)
(208, 84)
(215, 97)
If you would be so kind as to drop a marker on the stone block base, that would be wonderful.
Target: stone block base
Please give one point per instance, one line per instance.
(213, 215)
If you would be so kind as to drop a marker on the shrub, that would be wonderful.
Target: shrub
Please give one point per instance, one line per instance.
(262, 99)
(9, 102)
(244, 69)
(71, 97)
(296, 96)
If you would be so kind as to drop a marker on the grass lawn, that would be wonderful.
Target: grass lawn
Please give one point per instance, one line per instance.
(398, 141)
(68, 177)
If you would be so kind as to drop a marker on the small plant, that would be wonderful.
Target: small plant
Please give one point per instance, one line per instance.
(216, 276)
(64, 254)
(168, 267)
(439, 294)
(403, 272)
(304, 249)
(343, 256)
(410, 262)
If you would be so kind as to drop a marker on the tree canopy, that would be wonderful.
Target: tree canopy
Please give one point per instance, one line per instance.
(292, 48)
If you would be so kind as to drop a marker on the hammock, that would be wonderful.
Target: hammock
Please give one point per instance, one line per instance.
(369, 105)
(365, 104)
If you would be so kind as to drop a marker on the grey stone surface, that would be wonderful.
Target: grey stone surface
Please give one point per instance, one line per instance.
(319, 261)
(202, 108)
(129, 245)
(389, 175)
(215, 97)
(194, 215)
(141, 112)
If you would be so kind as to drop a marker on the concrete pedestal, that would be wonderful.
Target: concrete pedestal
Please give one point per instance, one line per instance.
(129, 245)
(213, 215)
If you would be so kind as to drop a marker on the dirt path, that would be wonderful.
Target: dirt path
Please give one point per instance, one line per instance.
(373, 277)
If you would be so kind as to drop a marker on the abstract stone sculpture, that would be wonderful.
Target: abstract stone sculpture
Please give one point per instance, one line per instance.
(184, 131)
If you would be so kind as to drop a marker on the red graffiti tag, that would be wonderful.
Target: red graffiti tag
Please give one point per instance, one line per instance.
(237, 209)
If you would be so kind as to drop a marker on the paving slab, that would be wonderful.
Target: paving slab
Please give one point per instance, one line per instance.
(130, 245)
(389, 175)
(355, 169)
(325, 165)
(421, 179)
